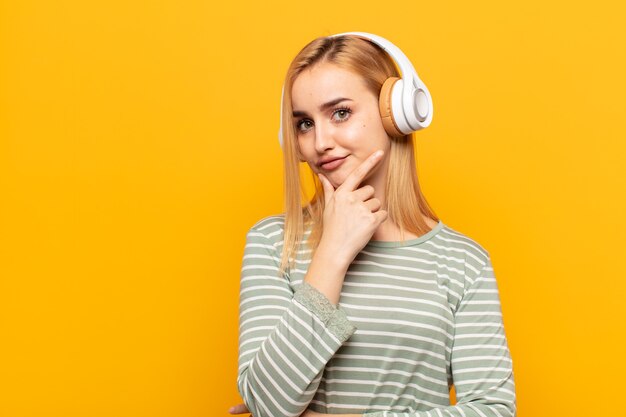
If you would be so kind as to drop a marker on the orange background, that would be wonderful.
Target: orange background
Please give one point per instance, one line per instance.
(138, 143)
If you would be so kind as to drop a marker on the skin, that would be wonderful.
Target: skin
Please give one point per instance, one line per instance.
(356, 133)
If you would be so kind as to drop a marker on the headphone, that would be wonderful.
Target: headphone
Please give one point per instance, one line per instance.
(405, 103)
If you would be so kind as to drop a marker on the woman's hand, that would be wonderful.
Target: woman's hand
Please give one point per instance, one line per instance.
(242, 409)
(238, 409)
(311, 413)
(351, 216)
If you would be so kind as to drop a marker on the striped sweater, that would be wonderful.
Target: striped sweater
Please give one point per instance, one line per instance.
(413, 318)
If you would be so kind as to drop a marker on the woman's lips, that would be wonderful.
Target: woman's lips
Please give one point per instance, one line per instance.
(333, 164)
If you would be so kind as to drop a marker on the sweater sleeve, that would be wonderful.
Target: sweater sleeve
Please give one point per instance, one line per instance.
(286, 337)
(482, 367)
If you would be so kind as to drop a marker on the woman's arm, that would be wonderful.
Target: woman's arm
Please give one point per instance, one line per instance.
(482, 367)
(286, 338)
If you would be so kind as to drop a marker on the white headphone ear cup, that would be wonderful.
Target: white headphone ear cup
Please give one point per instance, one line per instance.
(400, 108)
(417, 105)
(387, 110)
(422, 106)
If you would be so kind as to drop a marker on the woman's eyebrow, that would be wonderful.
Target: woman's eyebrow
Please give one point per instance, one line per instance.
(298, 113)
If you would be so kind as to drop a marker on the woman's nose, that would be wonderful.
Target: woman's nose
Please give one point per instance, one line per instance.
(323, 138)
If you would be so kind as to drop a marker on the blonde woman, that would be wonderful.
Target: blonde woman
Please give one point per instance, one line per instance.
(361, 300)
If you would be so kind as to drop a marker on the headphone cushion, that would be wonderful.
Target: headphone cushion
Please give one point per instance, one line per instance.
(386, 111)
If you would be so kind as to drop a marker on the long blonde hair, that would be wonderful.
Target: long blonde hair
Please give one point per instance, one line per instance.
(404, 200)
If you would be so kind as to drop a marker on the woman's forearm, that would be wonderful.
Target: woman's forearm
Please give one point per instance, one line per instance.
(326, 273)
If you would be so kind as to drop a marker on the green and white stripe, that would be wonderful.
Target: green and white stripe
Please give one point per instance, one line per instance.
(413, 318)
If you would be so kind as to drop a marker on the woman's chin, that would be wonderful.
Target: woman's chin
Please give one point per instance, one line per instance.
(335, 177)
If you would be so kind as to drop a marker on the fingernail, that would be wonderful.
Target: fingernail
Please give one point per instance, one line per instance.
(231, 409)
(378, 153)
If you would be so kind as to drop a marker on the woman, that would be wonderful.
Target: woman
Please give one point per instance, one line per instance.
(363, 301)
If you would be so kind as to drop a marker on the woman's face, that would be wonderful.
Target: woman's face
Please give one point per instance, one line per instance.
(337, 116)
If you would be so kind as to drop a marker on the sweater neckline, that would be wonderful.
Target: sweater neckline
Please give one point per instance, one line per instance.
(409, 242)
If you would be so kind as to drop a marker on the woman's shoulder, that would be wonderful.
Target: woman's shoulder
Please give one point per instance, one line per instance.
(458, 243)
(271, 227)
(272, 221)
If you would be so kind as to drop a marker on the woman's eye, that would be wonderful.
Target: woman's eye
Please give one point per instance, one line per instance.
(302, 122)
(343, 113)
